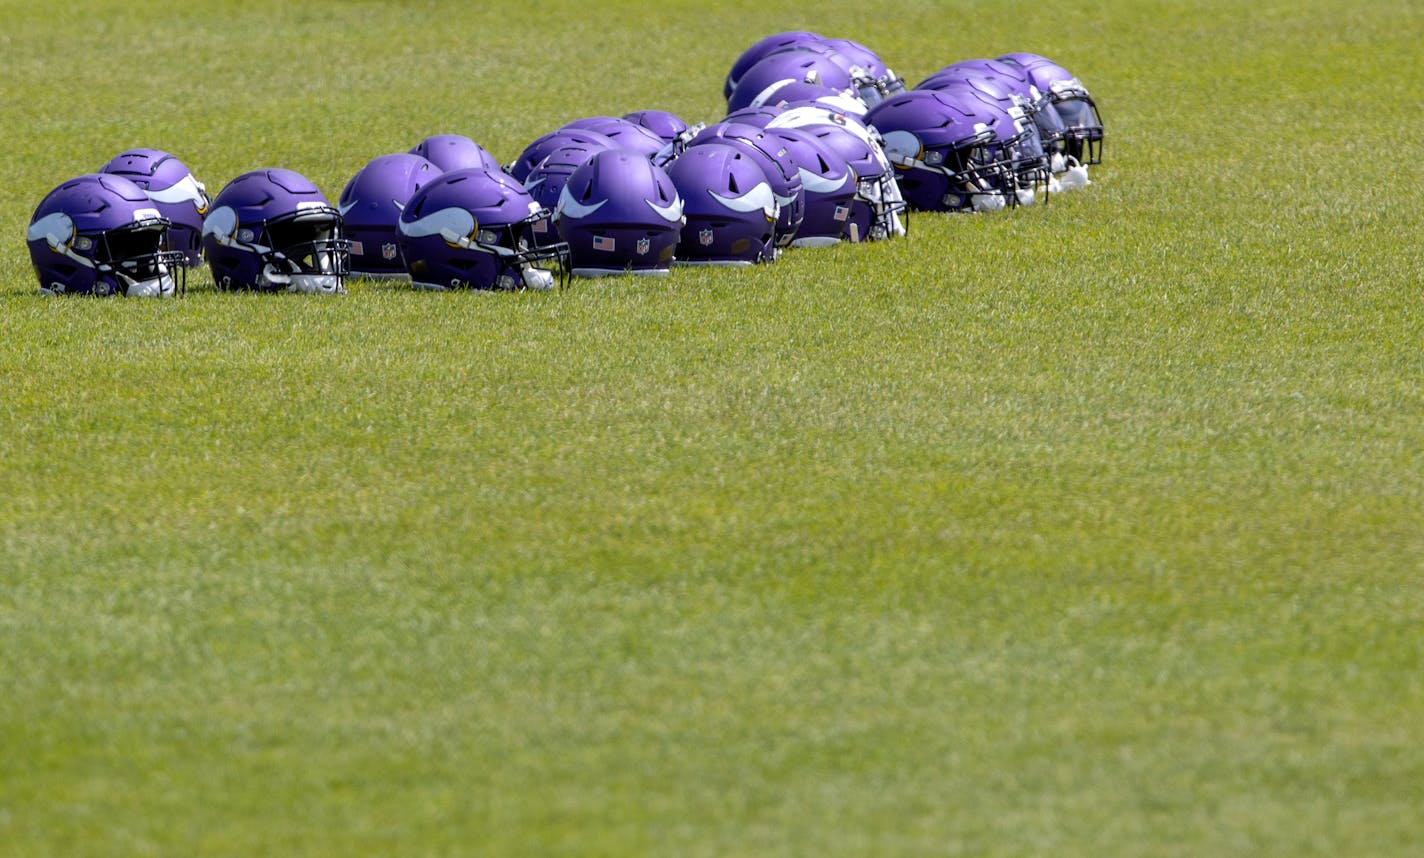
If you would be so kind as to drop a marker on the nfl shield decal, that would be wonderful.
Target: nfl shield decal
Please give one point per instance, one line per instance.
(643, 245)
(388, 251)
(704, 237)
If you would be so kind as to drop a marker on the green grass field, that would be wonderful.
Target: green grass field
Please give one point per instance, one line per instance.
(1089, 529)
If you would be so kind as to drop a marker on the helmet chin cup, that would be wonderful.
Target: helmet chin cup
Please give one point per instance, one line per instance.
(1074, 177)
(316, 284)
(538, 279)
(987, 202)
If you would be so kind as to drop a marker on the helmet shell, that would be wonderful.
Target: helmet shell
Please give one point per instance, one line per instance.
(729, 207)
(1083, 131)
(174, 189)
(273, 230)
(453, 152)
(946, 147)
(803, 64)
(624, 133)
(619, 213)
(761, 48)
(101, 234)
(471, 228)
(776, 162)
(371, 205)
(539, 148)
(827, 182)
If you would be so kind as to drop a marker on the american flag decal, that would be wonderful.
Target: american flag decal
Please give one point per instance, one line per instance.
(357, 249)
(842, 212)
(602, 242)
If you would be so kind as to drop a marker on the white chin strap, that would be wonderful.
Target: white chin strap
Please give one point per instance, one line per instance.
(162, 286)
(1026, 196)
(987, 202)
(315, 284)
(1068, 174)
(535, 278)
(1074, 177)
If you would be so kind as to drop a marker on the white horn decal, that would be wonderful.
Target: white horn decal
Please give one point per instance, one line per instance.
(57, 230)
(815, 183)
(185, 190)
(671, 213)
(759, 197)
(453, 224)
(570, 207)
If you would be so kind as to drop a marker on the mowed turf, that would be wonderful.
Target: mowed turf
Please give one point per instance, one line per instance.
(1087, 529)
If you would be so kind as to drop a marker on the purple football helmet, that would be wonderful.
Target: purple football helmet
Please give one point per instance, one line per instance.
(624, 133)
(541, 146)
(473, 229)
(101, 234)
(1082, 123)
(873, 80)
(546, 182)
(828, 182)
(370, 207)
(729, 207)
(179, 196)
(620, 214)
(667, 126)
(761, 48)
(947, 149)
(274, 231)
(1016, 80)
(1030, 160)
(878, 210)
(453, 152)
(779, 166)
(804, 64)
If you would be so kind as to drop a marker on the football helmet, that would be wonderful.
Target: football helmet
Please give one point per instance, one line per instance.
(101, 234)
(873, 80)
(1010, 84)
(454, 152)
(1030, 161)
(620, 214)
(1082, 122)
(775, 161)
(541, 146)
(807, 63)
(178, 195)
(624, 133)
(878, 210)
(947, 150)
(274, 231)
(669, 128)
(370, 207)
(473, 229)
(828, 182)
(761, 48)
(729, 207)
(546, 182)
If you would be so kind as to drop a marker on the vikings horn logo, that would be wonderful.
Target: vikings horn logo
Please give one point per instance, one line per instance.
(456, 225)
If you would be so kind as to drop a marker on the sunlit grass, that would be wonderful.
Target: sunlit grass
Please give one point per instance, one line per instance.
(1086, 529)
